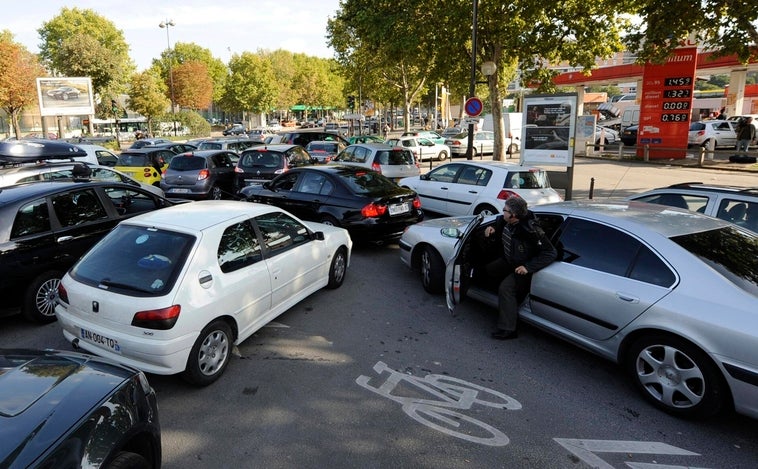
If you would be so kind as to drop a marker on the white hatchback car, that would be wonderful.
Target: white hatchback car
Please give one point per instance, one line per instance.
(722, 133)
(422, 148)
(174, 293)
(392, 162)
(472, 187)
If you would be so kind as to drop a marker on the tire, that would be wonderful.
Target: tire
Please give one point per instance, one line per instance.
(329, 220)
(486, 209)
(128, 460)
(39, 299)
(442, 156)
(210, 354)
(215, 193)
(705, 144)
(473, 152)
(676, 376)
(338, 269)
(432, 270)
(512, 149)
(64, 97)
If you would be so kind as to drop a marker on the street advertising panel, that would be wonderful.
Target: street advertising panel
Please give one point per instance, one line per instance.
(548, 129)
(65, 96)
(666, 106)
(585, 133)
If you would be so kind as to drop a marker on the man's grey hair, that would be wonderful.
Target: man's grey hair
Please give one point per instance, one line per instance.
(517, 206)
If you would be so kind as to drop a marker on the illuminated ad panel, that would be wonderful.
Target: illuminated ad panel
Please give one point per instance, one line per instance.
(666, 105)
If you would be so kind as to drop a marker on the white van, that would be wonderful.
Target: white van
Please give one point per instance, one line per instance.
(630, 116)
(511, 122)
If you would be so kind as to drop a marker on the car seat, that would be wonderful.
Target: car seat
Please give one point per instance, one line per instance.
(736, 214)
(673, 200)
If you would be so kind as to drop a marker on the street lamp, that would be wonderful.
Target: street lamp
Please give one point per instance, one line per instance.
(167, 24)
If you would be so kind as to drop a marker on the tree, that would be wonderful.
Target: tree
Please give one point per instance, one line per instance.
(147, 96)
(193, 88)
(80, 42)
(250, 86)
(19, 70)
(190, 52)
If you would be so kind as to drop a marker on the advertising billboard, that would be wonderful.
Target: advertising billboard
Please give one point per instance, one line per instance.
(64, 96)
(548, 129)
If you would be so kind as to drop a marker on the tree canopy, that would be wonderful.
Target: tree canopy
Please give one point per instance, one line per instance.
(19, 70)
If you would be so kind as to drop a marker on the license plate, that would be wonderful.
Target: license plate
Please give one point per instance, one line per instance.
(397, 209)
(100, 340)
(179, 191)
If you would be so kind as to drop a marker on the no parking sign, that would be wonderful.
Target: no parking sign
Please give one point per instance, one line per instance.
(473, 106)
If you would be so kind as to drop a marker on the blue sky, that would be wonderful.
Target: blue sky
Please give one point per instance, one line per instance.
(222, 26)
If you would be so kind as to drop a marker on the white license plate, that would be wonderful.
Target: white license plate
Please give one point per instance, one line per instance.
(397, 209)
(100, 340)
(179, 191)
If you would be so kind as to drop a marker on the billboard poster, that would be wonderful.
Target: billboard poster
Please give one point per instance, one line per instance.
(63, 96)
(548, 129)
(666, 106)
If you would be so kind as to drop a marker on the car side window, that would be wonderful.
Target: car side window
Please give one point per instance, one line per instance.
(281, 232)
(78, 207)
(734, 211)
(649, 268)
(102, 174)
(474, 176)
(239, 247)
(31, 218)
(131, 202)
(311, 183)
(360, 154)
(286, 182)
(444, 173)
(578, 244)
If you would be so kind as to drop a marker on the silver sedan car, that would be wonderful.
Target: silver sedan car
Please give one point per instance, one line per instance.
(668, 294)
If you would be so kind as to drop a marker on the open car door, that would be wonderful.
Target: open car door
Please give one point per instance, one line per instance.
(457, 271)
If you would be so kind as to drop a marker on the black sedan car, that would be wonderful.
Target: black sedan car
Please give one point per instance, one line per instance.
(46, 226)
(66, 409)
(629, 135)
(367, 204)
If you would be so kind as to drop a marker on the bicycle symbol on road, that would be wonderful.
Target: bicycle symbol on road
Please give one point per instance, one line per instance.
(441, 414)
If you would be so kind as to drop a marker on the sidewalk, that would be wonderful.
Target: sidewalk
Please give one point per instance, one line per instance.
(692, 160)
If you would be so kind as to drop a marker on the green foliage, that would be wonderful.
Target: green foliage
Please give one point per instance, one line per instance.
(250, 86)
(147, 96)
(184, 52)
(19, 70)
(195, 122)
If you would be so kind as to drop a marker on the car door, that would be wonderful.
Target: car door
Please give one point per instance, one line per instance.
(616, 283)
(457, 270)
(224, 171)
(466, 189)
(434, 187)
(311, 193)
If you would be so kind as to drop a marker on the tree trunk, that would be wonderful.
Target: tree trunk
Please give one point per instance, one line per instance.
(496, 102)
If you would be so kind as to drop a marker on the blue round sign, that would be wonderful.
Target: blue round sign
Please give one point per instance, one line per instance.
(473, 106)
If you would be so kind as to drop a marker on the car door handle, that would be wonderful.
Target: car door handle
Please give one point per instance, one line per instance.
(443, 188)
(63, 239)
(626, 297)
(473, 192)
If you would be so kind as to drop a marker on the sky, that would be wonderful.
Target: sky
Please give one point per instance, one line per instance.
(224, 27)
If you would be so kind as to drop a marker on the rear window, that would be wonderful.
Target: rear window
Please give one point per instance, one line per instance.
(695, 126)
(210, 146)
(368, 183)
(130, 159)
(394, 157)
(261, 159)
(527, 180)
(187, 163)
(330, 147)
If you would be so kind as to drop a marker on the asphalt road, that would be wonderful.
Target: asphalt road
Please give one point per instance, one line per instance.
(378, 374)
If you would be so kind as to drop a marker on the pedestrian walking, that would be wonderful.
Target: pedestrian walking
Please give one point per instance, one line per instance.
(745, 135)
(525, 250)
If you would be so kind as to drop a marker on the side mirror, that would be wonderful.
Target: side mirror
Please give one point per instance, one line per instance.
(319, 235)
(424, 177)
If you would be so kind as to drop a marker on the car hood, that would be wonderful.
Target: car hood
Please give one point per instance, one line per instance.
(44, 393)
(448, 222)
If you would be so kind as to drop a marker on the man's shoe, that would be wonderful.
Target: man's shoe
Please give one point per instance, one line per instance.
(501, 334)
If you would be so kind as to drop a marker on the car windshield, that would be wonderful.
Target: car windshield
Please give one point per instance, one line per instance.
(367, 182)
(527, 180)
(187, 163)
(135, 261)
(729, 251)
(260, 159)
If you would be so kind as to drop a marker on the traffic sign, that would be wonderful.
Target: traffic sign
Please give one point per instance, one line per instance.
(473, 106)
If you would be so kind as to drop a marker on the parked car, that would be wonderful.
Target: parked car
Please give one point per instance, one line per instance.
(100, 154)
(606, 135)
(367, 204)
(473, 187)
(451, 131)
(64, 93)
(265, 162)
(734, 204)
(175, 291)
(176, 147)
(645, 301)
(235, 144)
(259, 135)
(324, 151)
(45, 228)
(722, 133)
(65, 170)
(365, 139)
(65, 409)
(422, 148)
(427, 134)
(304, 136)
(393, 162)
(144, 164)
(146, 142)
(236, 129)
(629, 135)
(484, 143)
(202, 174)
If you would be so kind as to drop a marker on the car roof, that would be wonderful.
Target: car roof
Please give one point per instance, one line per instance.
(497, 165)
(31, 190)
(374, 145)
(640, 218)
(273, 147)
(201, 215)
(701, 186)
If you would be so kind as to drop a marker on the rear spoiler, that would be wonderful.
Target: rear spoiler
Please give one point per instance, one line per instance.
(30, 151)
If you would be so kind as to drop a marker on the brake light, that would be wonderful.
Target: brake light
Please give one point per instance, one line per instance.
(376, 167)
(159, 319)
(416, 202)
(700, 133)
(456, 142)
(62, 293)
(373, 210)
(506, 194)
(203, 174)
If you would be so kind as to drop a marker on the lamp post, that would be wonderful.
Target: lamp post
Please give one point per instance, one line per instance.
(167, 24)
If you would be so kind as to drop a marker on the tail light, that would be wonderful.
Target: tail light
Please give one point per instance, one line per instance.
(203, 174)
(159, 319)
(373, 210)
(376, 167)
(700, 133)
(506, 194)
(416, 202)
(62, 293)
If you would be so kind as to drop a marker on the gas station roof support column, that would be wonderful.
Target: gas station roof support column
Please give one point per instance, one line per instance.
(736, 95)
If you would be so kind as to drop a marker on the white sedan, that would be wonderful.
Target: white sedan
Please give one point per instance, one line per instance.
(422, 148)
(474, 187)
(173, 292)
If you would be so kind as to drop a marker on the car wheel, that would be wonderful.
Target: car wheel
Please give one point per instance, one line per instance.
(338, 269)
(64, 97)
(432, 270)
(705, 144)
(216, 193)
(442, 156)
(128, 460)
(676, 376)
(329, 220)
(486, 210)
(473, 152)
(210, 354)
(512, 149)
(39, 300)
